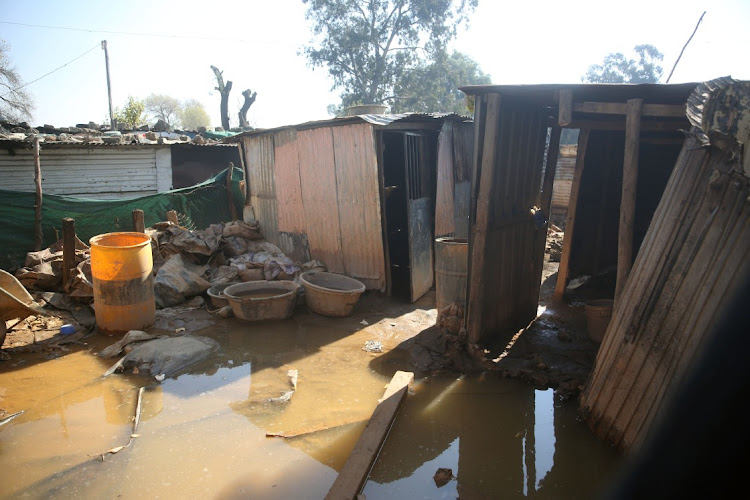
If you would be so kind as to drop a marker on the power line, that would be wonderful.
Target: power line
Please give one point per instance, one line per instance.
(47, 74)
(126, 32)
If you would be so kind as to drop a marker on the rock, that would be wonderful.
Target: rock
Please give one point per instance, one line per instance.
(198, 139)
(168, 355)
(218, 129)
(253, 274)
(161, 126)
(152, 136)
(112, 139)
(442, 476)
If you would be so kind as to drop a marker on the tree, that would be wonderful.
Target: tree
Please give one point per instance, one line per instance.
(249, 96)
(193, 115)
(224, 90)
(132, 114)
(617, 68)
(15, 103)
(164, 107)
(433, 87)
(369, 46)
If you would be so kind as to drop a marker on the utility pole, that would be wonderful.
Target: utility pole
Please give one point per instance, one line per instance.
(112, 122)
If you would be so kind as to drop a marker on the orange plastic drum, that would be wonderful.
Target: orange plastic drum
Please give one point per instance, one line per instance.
(121, 268)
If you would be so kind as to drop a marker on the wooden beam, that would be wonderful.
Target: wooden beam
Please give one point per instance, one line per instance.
(565, 110)
(139, 225)
(352, 477)
(627, 203)
(484, 182)
(671, 125)
(570, 218)
(38, 237)
(69, 249)
(621, 108)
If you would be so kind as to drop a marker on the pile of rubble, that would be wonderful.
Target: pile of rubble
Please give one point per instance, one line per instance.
(186, 263)
(92, 133)
(554, 245)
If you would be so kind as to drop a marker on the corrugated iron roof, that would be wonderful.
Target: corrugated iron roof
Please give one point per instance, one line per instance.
(546, 94)
(378, 120)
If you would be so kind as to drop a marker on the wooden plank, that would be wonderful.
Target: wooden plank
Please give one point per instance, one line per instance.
(483, 187)
(69, 249)
(570, 218)
(291, 212)
(565, 101)
(621, 108)
(671, 125)
(38, 199)
(627, 203)
(139, 225)
(352, 477)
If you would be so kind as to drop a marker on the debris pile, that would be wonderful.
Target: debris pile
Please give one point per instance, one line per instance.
(554, 245)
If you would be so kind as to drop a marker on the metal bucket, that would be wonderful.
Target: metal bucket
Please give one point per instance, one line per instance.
(121, 268)
(598, 314)
(451, 258)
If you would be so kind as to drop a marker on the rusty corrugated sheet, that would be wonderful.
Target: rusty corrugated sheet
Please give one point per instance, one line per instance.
(444, 201)
(506, 258)
(358, 195)
(318, 186)
(563, 180)
(259, 158)
(288, 190)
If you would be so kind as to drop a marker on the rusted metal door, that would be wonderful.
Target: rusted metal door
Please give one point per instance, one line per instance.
(419, 210)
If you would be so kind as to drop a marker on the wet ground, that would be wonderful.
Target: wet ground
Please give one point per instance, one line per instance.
(204, 433)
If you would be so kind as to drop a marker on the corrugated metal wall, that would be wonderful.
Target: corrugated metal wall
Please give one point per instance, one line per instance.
(320, 187)
(693, 261)
(566, 164)
(99, 173)
(505, 266)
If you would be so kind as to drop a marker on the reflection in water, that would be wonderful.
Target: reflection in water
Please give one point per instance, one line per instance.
(544, 434)
(502, 439)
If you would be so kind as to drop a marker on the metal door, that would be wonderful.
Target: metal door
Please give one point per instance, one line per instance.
(419, 210)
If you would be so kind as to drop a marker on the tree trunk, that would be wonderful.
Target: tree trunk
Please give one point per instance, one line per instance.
(224, 90)
(249, 100)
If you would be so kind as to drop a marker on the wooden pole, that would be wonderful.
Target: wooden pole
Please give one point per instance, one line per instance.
(69, 249)
(570, 218)
(629, 182)
(232, 208)
(352, 477)
(139, 225)
(38, 200)
(112, 122)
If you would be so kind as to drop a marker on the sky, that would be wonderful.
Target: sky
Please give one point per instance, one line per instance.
(168, 48)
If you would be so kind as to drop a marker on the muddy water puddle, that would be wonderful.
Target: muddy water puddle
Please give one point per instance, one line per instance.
(203, 433)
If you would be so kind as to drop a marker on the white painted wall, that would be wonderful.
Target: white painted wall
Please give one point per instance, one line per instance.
(103, 172)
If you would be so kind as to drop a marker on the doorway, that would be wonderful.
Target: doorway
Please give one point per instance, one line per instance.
(409, 163)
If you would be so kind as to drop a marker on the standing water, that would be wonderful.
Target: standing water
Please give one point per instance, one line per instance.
(204, 433)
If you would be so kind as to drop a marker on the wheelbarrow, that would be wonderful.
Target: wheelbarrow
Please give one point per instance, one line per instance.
(15, 303)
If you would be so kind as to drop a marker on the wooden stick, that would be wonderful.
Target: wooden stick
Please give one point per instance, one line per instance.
(570, 218)
(69, 249)
(629, 182)
(352, 477)
(38, 201)
(139, 225)
(310, 430)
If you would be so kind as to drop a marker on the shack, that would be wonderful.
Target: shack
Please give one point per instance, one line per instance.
(98, 170)
(630, 137)
(357, 193)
